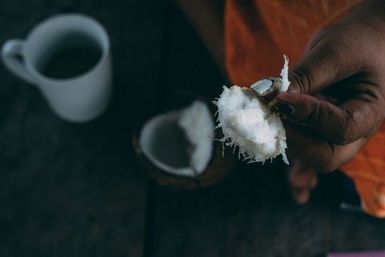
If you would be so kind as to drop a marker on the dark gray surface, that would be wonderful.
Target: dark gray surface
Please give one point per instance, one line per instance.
(68, 189)
(77, 190)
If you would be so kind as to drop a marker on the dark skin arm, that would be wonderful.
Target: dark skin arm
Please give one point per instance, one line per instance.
(337, 95)
(337, 91)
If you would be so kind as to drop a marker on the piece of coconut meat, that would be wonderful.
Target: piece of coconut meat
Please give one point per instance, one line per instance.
(247, 122)
(180, 142)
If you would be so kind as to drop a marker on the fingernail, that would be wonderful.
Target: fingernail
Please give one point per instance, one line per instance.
(267, 88)
(282, 107)
(262, 86)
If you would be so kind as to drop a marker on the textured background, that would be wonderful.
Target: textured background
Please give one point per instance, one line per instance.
(77, 190)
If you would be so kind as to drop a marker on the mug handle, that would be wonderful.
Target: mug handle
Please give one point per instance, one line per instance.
(12, 49)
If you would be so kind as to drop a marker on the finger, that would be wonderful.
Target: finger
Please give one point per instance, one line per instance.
(301, 176)
(325, 63)
(316, 152)
(301, 196)
(313, 182)
(338, 124)
(302, 179)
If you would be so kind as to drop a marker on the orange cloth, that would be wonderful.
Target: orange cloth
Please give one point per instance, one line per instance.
(259, 32)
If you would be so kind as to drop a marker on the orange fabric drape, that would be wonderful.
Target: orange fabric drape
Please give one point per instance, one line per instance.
(259, 32)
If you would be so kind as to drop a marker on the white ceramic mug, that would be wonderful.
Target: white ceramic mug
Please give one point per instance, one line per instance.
(80, 98)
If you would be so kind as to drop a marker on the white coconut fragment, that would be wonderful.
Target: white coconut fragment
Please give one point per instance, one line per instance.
(180, 142)
(285, 75)
(198, 125)
(249, 124)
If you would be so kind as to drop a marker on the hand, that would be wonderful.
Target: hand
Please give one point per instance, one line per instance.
(336, 100)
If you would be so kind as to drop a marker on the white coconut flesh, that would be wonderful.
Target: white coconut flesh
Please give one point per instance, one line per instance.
(249, 124)
(180, 142)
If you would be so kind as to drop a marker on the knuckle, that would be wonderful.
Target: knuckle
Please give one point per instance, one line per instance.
(301, 79)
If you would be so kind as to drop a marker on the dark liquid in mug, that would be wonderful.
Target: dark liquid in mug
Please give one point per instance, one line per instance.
(71, 62)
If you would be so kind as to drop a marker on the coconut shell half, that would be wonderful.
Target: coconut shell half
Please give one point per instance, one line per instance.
(168, 139)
